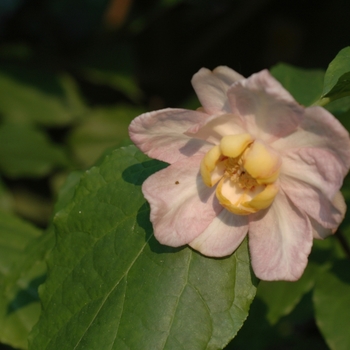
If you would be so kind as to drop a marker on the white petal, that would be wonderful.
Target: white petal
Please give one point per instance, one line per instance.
(314, 166)
(160, 134)
(211, 88)
(214, 128)
(319, 231)
(268, 110)
(319, 129)
(280, 240)
(182, 207)
(223, 235)
(311, 178)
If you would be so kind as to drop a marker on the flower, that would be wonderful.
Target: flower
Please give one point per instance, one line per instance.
(250, 161)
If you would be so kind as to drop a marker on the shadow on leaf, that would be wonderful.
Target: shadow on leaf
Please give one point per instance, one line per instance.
(138, 173)
(341, 270)
(26, 296)
(144, 222)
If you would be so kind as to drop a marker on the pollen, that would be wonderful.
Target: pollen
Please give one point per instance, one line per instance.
(236, 173)
(245, 172)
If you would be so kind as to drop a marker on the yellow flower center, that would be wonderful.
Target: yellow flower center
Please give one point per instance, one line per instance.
(245, 170)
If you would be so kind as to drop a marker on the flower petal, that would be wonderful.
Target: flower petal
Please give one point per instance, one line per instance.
(233, 145)
(319, 231)
(313, 202)
(269, 111)
(315, 167)
(211, 88)
(182, 206)
(160, 134)
(319, 129)
(263, 199)
(262, 162)
(223, 235)
(280, 241)
(214, 128)
(211, 169)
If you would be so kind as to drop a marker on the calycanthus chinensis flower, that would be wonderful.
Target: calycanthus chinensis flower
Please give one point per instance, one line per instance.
(250, 160)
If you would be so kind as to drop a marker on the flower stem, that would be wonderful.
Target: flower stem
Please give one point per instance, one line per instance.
(322, 102)
(343, 242)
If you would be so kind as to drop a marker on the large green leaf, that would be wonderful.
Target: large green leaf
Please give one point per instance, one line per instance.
(27, 151)
(304, 84)
(337, 78)
(22, 251)
(111, 285)
(35, 96)
(332, 305)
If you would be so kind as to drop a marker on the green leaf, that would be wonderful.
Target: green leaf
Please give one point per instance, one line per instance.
(332, 305)
(66, 192)
(6, 200)
(120, 81)
(111, 285)
(39, 97)
(339, 106)
(281, 297)
(22, 251)
(304, 84)
(27, 151)
(337, 77)
(113, 65)
(101, 129)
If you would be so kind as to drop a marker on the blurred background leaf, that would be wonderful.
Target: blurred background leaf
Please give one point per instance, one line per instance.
(34, 96)
(102, 128)
(27, 152)
(332, 305)
(305, 85)
(23, 248)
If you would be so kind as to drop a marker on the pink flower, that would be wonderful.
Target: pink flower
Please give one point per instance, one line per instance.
(250, 160)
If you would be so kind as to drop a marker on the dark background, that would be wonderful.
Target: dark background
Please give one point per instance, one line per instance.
(163, 43)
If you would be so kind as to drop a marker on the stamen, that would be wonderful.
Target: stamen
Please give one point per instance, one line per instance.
(237, 174)
(245, 172)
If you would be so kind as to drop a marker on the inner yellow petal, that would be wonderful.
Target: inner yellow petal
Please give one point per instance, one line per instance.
(264, 199)
(231, 197)
(262, 162)
(246, 171)
(208, 165)
(233, 145)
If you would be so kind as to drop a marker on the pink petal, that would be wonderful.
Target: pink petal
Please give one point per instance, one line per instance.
(211, 88)
(213, 129)
(160, 134)
(269, 111)
(223, 235)
(319, 231)
(311, 178)
(319, 129)
(181, 205)
(314, 166)
(280, 240)
(339, 206)
(312, 201)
